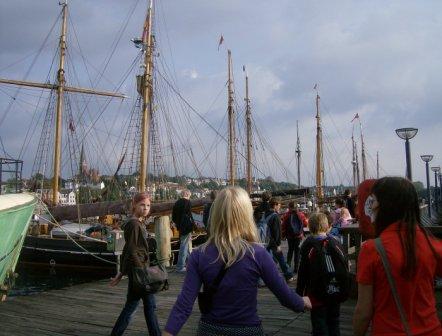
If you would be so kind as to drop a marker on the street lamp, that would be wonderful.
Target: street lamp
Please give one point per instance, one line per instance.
(436, 171)
(427, 159)
(407, 134)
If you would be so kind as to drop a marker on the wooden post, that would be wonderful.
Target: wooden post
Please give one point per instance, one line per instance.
(162, 236)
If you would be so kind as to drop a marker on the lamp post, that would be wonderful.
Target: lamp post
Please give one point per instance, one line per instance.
(440, 184)
(427, 159)
(436, 171)
(407, 134)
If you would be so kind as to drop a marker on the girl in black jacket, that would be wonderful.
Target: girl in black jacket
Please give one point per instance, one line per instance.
(135, 254)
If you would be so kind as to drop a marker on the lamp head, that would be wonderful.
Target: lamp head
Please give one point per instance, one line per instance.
(436, 169)
(427, 157)
(406, 133)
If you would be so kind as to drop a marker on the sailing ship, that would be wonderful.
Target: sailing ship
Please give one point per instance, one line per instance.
(44, 249)
(74, 248)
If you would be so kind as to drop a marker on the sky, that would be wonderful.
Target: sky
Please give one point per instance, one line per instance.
(382, 60)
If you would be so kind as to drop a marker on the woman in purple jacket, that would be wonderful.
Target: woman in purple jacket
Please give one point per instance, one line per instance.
(233, 243)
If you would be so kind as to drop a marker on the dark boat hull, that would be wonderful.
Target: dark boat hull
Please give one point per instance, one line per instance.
(53, 253)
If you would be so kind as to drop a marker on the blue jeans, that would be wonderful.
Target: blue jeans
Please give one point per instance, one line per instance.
(279, 258)
(325, 320)
(129, 309)
(185, 247)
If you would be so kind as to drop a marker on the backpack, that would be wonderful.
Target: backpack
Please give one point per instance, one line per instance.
(329, 274)
(295, 226)
(263, 228)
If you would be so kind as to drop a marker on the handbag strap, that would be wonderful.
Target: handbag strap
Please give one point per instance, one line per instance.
(380, 248)
(212, 288)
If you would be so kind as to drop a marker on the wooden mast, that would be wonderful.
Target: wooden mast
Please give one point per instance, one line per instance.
(358, 174)
(298, 154)
(147, 90)
(59, 111)
(249, 138)
(354, 160)
(61, 88)
(319, 163)
(231, 115)
(377, 165)
(363, 158)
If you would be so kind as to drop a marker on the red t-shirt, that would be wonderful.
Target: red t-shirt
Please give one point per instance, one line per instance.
(416, 294)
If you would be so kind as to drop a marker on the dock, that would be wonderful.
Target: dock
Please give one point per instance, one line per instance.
(92, 309)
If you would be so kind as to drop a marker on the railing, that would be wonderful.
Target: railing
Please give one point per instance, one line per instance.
(352, 240)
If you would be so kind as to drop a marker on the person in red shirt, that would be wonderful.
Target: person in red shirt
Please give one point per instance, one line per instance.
(415, 260)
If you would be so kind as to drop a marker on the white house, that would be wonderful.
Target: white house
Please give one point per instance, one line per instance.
(67, 197)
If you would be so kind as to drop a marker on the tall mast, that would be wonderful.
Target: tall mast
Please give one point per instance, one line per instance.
(249, 138)
(147, 90)
(358, 176)
(231, 114)
(61, 87)
(363, 158)
(59, 111)
(354, 161)
(377, 165)
(319, 163)
(298, 154)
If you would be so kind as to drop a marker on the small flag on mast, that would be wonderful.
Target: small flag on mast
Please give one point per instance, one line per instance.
(355, 117)
(71, 125)
(315, 87)
(221, 40)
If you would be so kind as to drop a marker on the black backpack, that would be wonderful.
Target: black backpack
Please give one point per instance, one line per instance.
(295, 225)
(329, 274)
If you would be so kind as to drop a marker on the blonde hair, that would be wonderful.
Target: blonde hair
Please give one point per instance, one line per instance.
(318, 223)
(232, 228)
(186, 193)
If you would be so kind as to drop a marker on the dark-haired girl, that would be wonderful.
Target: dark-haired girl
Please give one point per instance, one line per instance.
(415, 260)
(135, 254)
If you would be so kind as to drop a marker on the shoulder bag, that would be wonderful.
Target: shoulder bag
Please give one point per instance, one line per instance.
(150, 279)
(380, 249)
(205, 298)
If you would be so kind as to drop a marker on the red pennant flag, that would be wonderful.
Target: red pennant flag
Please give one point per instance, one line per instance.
(71, 125)
(221, 40)
(355, 117)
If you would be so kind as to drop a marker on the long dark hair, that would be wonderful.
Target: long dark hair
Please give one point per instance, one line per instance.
(398, 202)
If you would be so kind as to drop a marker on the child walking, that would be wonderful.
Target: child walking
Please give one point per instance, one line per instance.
(323, 276)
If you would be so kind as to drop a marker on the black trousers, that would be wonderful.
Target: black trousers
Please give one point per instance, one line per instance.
(293, 250)
(325, 320)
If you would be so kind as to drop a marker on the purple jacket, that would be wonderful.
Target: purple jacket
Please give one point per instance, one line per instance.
(235, 302)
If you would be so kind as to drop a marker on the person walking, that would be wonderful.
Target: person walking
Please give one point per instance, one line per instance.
(135, 254)
(322, 255)
(259, 215)
(349, 202)
(274, 237)
(293, 229)
(182, 217)
(233, 246)
(206, 211)
(414, 259)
